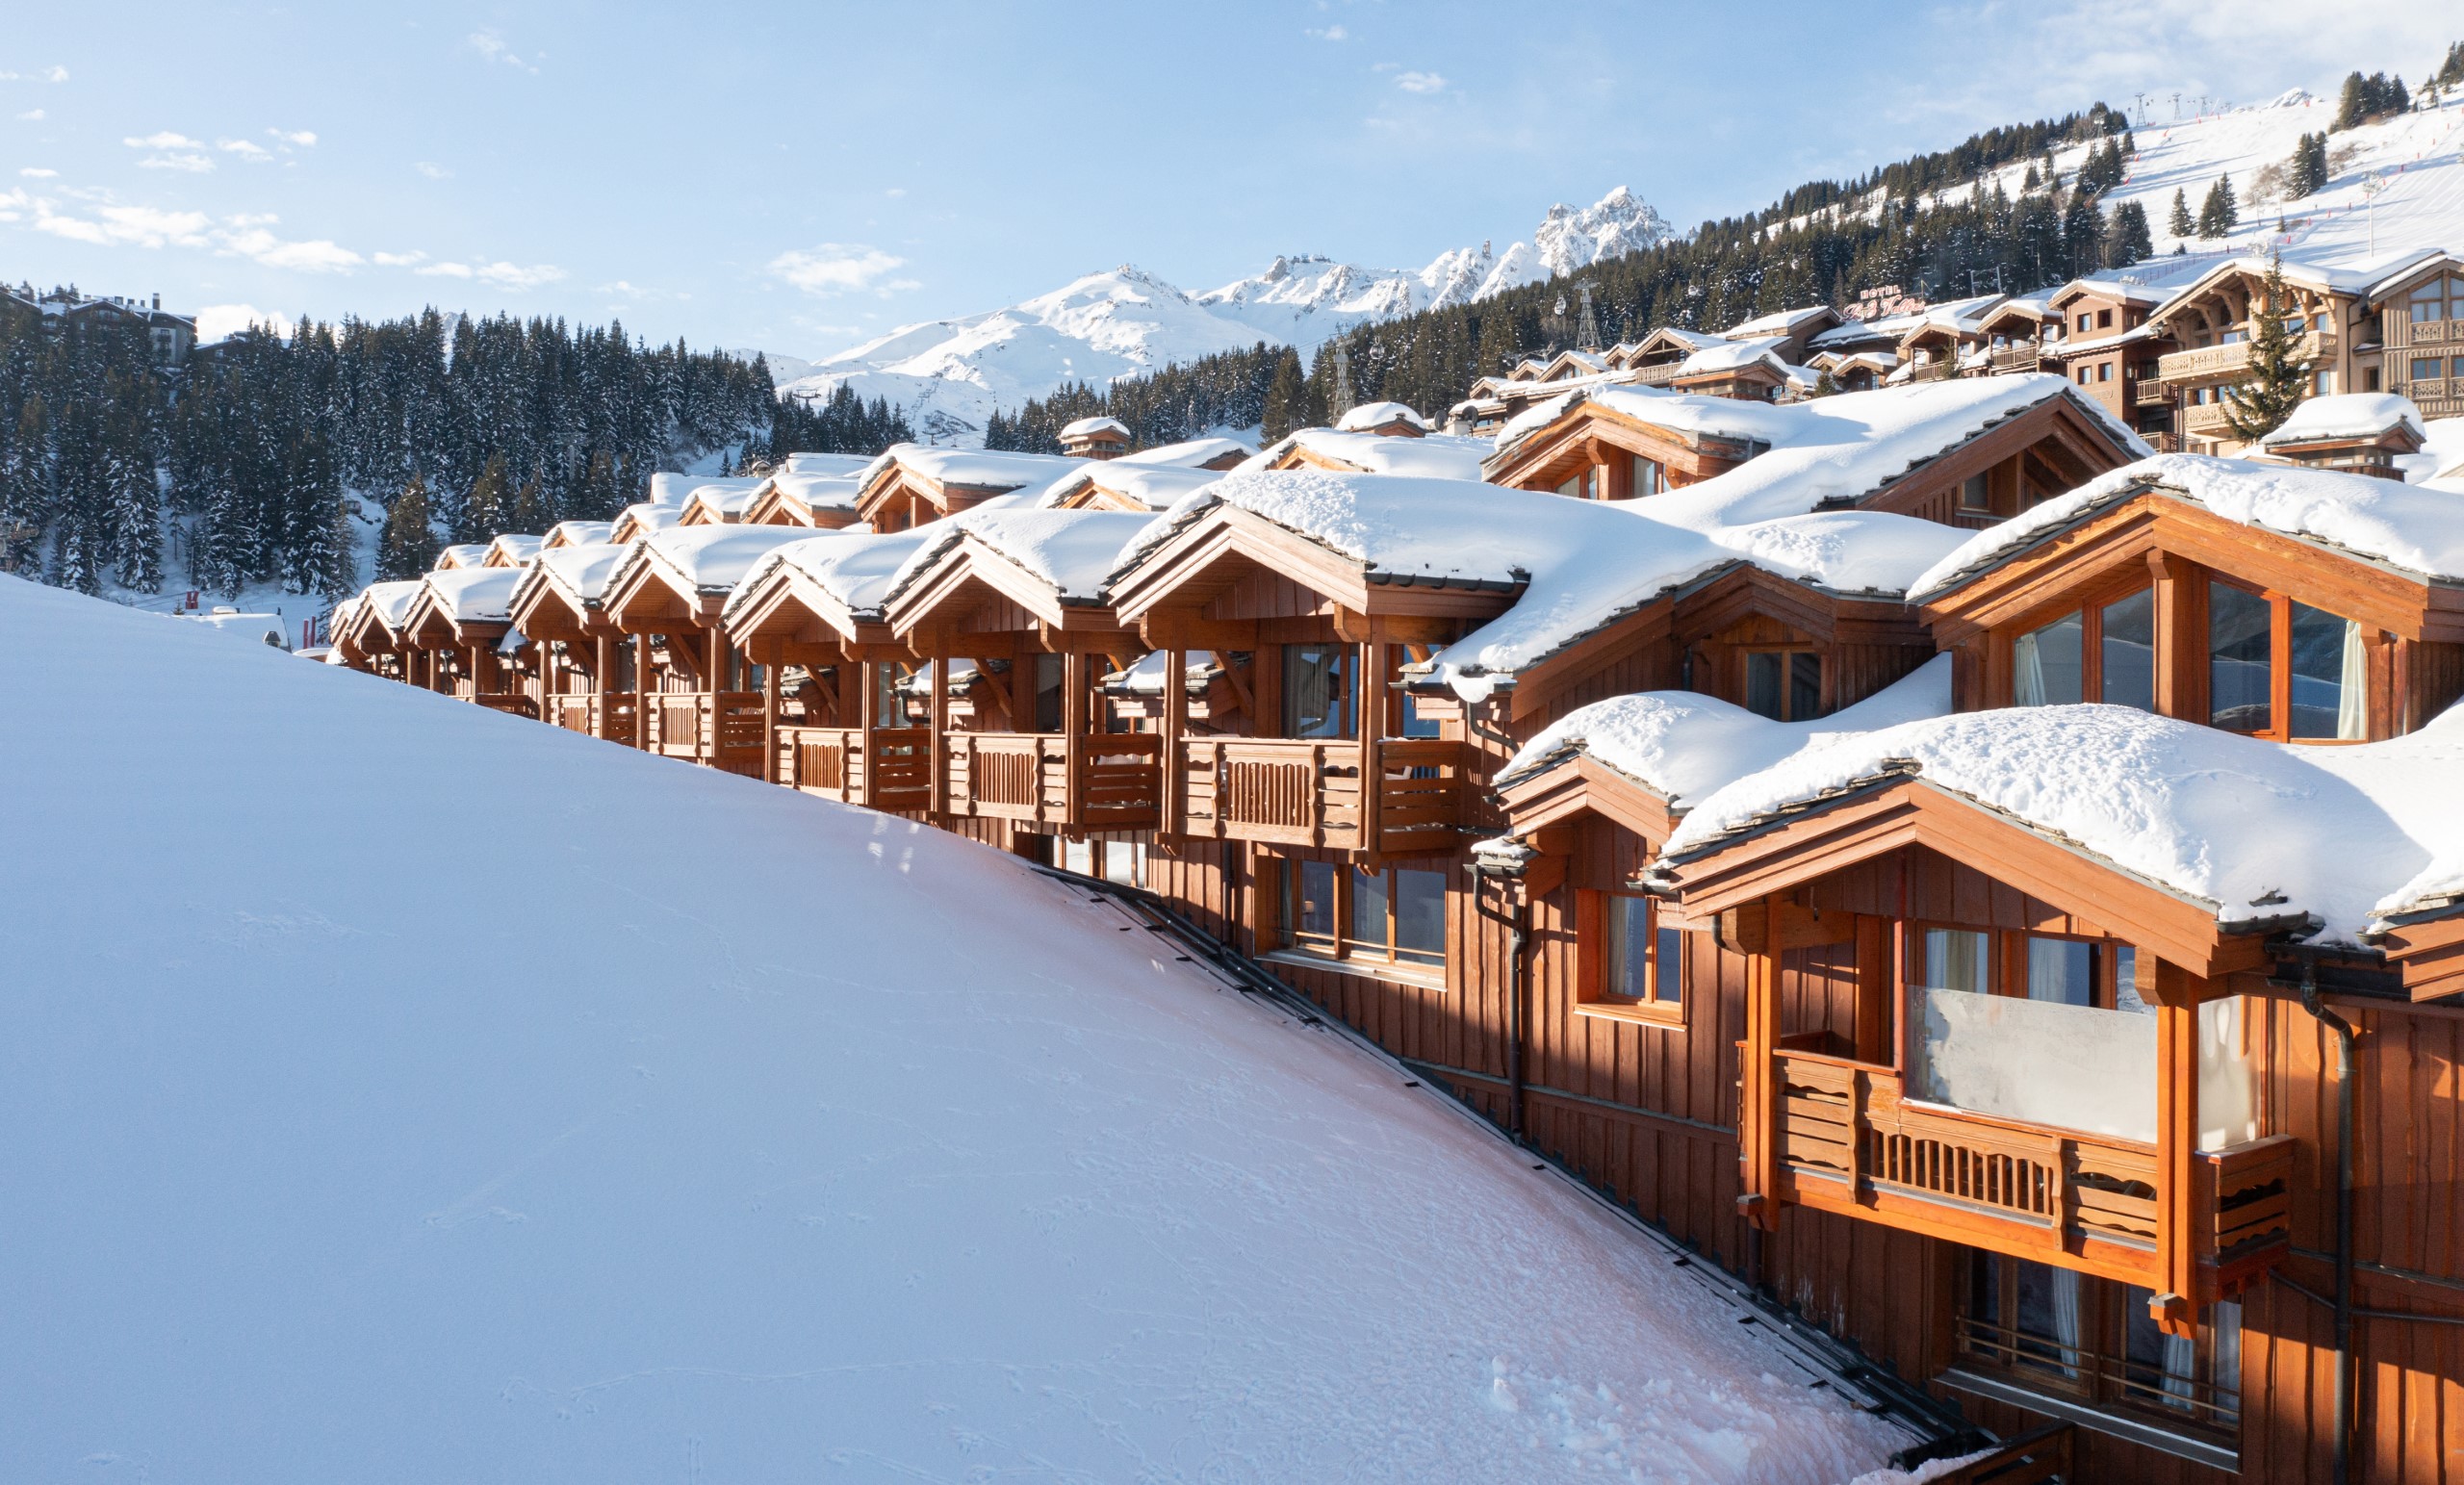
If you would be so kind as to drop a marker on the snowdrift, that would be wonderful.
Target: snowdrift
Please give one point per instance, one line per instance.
(398, 1090)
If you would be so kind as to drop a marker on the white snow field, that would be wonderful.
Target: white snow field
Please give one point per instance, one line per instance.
(398, 1092)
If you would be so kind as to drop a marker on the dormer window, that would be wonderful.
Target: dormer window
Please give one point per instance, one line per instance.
(2284, 670)
(1785, 685)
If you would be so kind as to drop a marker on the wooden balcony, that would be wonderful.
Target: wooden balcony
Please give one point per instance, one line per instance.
(2014, 360)
(1026, 777)
(2154, 393)
(1847, 1142)
(582, 713)
(722, 730)
(888, 768)
(1304, 792)
(1659, 375)
(2206, 420)
(2212, 361)
(519, 704)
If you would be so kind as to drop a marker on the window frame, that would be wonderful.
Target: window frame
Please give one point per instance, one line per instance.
(1593, 923)
(1746, 655)
(2279, 726)
(2006, 960)
(2089, 604)
(1340, 946)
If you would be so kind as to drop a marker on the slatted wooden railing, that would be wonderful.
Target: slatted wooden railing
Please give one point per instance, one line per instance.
(898, 767)
(1121, 780)
(1307, 792)
(1008, 776)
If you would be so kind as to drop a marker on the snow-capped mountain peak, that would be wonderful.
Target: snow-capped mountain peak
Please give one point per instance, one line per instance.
(951, 374)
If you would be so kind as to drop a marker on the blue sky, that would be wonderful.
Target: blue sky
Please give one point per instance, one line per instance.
(798, 177)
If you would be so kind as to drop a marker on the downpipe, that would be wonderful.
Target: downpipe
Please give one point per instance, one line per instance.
(1518, 936)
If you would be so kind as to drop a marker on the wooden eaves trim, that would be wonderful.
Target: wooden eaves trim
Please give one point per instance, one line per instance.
(2085, 553)
(642, 599)
(542, 609)
(1901, 809)
(1541, 448)
(2074, 444)
(968, 576)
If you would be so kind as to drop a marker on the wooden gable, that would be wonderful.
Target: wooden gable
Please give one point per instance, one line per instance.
(2027, 458)
(972, 589)
(1590, 435)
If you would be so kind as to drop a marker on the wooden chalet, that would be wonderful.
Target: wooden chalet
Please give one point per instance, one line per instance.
(1435, 455)
(811, 615)
(1125, 485)
(466, 554)
(2015, 331)
(704, 699)
(1947, 340)
(511, 550)
(1019, 594)
(1654, 360)
(1789, 334)
(456, 622)
(1747, 370)
(721, 502)
(589, 669)
(578, 533)
(911, 485)
(644, 519)
(2111, 351)
(1386, 420)
(2357, 432)
(370, 634)
(1095, 438)
(815, 502)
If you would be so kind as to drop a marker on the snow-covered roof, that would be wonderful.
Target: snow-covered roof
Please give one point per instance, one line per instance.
(1376, 415)
(827, 462)
(582, 571)
(1430, 456)
(820, 489)
(647, 516)
(1155, 486)
(578, 533)
(2365, 279)
(972, 469)
(1684, 746)
(2069, 347)
(474, 595)
(1962, 316)
(1073, 550)
(1852, 331)
(391, 602)
(511, 550)
(727, 498)
(1779, 323)
(1733, 356)
(1089, 427)
(2346, 415)
(1191, 453)
(853, 566)
(467, 554)
(712, 558)
(2112, 286)
(2420, 531)
(2262, 833)
(670, 488)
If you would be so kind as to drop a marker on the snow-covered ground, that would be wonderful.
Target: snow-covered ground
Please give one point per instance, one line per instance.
(574, 1114)
(951, 374)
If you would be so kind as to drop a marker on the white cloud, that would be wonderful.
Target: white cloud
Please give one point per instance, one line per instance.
(1419, 81)
(219, 322)
(30, 116)
(838, 267)
(432, 170)
(246, 149)
(36, 173)
(505, 275)
(490, 44)
(302, 138)
(397, 259)
(54, 74)
(129, 226)
(319, 256)
(164, 139)
(1330, 34)
(895, 191)
(196, 164)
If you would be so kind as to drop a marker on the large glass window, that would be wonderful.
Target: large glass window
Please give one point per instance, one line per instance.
(1785, 685)
(1397, 915)
(2127, 651)
(1045, 675)
(1651, 477)
(2061, 970)
(2240, 681)
(1958, 959)
(2058, 1332)
(2046, 665)
(1318, 690)
(1642, 961)
(2329, 668)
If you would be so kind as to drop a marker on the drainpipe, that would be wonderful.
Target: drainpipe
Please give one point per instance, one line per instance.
(2311, 1001)
(1504, 860)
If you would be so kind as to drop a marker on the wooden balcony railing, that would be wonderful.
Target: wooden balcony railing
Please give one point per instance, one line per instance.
(573, 713)
(2015, 359)
(2154, 393)
(581, 712)
(1847, 1141)
(1025, 775)
(1287, 791)
(2206, 420)
(722, 730)
(1659, 375)
(888, 768)
(2224, 360)
(518, 704)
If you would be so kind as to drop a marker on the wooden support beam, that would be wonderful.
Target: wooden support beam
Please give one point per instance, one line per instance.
(1875, 989)
(1074, 727)
(1757, 1150)
(770, 724)
(2176, 994)
(2181, 638)
(1176, 722)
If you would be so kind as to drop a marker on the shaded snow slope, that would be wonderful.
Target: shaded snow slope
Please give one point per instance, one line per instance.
(398, 1090)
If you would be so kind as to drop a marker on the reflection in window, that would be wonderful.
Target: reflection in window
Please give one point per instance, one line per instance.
(1958, 959)
(1420, 916)
(1046, 672)
(1368, 906)
(1643, 961)
(1318, 691)
(1396, 915)
(1650, 477)
(2240, 675)
(2061, 970)
(1313, 918)
(1785, 685)
(2129, 652)
(2045, 665)
(2330, 669)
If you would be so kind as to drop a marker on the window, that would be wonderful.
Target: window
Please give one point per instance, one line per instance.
(2281, 669)
(1651, 477)
(1395, 916)
(1045, 676)
(1631, 960)
(2083, 376)
(2104, 370)
(2427, 302)
(1115, 860)
(2323, 384)
(2061, 1332)
(2104, 320)
(1976, 492)
(1319, 691)
(1957, 958)
(1785, 685)
(2370, 378)
(2104, 652)
(1583, 486)
(2086, 322)
(2425, 368)
(889, 707)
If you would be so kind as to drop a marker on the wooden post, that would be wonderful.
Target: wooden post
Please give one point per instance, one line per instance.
(706, 740)
(1168, 772)
(1758, 1104)
(1073, 734)
(1368, 715)
(770, 769)
(2176, 994)
(2181, 638)
(936, 797)
(1874, 989)
(602, 699)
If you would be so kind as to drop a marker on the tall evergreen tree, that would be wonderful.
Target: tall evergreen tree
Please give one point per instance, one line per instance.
(1287, 405)
(2218, 215)
(2179, 222)
(487, 506)
(135, 510)
(2127, 240)
(406, 546)
(2278, 379)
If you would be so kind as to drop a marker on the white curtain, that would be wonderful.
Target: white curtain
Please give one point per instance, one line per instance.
(2027, 672)
(2066, 1319)
(2353, 703)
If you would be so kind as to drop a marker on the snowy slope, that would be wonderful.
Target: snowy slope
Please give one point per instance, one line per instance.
(398, 1090)
(951, 374)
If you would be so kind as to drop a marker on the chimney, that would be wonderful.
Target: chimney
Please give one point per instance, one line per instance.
(158, 301)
